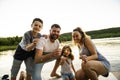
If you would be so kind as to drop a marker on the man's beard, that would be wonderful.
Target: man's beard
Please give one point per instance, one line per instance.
(53, 37)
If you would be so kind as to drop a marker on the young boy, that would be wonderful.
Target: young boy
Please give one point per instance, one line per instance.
(26, 50)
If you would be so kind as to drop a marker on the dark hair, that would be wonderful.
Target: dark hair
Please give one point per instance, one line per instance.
(37, 19)
(56, 26)
(70, 55)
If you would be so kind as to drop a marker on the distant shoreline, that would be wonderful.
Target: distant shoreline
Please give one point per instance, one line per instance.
(5, 48)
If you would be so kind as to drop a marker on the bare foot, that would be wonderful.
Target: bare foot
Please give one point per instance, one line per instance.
(22, 75)
(55, 75)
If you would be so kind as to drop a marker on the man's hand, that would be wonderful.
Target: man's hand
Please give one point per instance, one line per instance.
(57, 53)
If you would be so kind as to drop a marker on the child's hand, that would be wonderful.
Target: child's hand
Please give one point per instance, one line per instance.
(63, 59)
(35, 41)
(32, 45)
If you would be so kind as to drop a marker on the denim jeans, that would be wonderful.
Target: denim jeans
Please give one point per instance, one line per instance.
(37, 68)
(66, 76)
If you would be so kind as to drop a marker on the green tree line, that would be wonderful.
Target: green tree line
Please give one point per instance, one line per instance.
(12, 42)
(103, 33)
(9, 41)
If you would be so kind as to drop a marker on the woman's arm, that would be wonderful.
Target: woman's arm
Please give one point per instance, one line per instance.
(91, 47)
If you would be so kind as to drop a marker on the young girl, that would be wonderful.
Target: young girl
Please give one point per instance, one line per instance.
(66, 63)
(26, 49)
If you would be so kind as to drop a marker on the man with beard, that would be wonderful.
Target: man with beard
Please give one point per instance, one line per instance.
(47, 50)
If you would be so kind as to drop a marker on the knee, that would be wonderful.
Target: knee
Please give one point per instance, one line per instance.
(86, 66)
(79, 75)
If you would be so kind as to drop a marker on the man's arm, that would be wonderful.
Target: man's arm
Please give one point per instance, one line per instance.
(40, 58)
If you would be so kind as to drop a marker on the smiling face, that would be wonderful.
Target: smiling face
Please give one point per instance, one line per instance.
(37, 26)
(66, 52)
(76, 36)
(54, 33)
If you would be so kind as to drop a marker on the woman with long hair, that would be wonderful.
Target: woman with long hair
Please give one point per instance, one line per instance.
(93, 62)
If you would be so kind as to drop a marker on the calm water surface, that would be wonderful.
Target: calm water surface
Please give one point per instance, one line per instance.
(109, 47)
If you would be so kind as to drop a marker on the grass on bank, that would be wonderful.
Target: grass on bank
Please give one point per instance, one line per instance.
(4, 48)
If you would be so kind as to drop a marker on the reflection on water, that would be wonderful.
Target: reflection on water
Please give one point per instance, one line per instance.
(109, 47)
(5, 61)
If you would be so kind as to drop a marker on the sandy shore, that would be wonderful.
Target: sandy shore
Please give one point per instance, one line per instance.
(117, 75)
(47, 71)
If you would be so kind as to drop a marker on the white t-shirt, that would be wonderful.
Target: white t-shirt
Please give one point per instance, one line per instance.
(46, 45)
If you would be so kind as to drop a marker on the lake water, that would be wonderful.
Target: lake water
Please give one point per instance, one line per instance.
(109, 47)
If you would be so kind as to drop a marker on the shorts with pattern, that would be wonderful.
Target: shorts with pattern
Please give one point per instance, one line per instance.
(17, 64)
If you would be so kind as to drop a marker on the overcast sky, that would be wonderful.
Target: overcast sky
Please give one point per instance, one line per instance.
(16, 15)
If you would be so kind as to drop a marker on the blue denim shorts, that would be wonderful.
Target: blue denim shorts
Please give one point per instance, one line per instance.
(69, 76)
